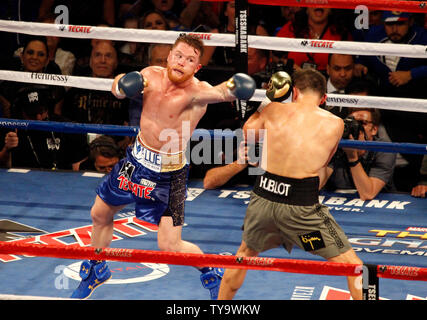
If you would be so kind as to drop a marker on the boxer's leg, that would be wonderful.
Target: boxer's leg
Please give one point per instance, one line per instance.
(102, 215)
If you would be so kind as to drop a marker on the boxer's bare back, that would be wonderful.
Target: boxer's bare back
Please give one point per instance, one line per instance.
(301, 136)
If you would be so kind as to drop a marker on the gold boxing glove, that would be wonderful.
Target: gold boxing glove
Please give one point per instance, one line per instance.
(279, 86)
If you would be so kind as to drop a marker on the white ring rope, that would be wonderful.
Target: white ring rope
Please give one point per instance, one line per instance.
(102, 84)
(109, 33)
(215, 39)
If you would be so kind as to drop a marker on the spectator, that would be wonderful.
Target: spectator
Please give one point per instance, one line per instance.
(104, 153)
(152, 20)
(83, 12)
(312, 23)
(375, 19)
(15, 11)
(398, 76)
(34, 58)
(257, 62)
(128, 50)
(367, 171)
(340, 70)
(198, 16)
(171, 10)
(64, 59)
(420, 189)
(157, 56)
(93, 106)
(41, 149)
(287, 14)
(199, 13)
(83, 51)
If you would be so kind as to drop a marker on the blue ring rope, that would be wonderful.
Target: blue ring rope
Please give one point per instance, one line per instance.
(69, 127)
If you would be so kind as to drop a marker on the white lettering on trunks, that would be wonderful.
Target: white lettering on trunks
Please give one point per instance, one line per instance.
(147, 158)
(274, 186)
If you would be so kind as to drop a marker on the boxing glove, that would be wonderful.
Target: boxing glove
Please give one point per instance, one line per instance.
(131, 84)
(279, 86)
(241, 86)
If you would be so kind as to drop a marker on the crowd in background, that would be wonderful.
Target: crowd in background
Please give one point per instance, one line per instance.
(388, 76)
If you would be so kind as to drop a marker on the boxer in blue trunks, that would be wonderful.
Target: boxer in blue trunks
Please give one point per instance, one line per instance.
(158, 189)
(153, 175)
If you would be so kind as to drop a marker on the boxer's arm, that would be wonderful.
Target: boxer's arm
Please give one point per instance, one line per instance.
(240, 86)
(253, 127)
(324, 174)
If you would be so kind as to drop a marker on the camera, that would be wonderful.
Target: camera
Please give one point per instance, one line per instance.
(353, 127)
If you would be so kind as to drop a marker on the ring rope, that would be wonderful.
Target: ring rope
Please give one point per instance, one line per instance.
(71, 127)
(103, 84)
(409, 6)
(215, 39)
(213, 260)
(299, 45)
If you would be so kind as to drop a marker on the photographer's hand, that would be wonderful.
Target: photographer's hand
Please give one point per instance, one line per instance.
(367, 187)
(351, 154)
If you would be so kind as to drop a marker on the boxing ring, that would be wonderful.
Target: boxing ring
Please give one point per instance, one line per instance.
(385, 231)
(45, 223)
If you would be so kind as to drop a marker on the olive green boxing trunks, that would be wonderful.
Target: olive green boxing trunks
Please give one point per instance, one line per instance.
(286, 211)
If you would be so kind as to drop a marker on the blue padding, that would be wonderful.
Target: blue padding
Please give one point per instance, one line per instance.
(392, 147)
(69, 127)
(198, 134)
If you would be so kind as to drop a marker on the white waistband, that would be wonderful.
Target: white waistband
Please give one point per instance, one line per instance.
(157, 161)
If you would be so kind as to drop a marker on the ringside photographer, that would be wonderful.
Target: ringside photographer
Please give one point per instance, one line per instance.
(369, 172)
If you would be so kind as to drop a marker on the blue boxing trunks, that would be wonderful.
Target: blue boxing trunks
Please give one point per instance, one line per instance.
(155, 181)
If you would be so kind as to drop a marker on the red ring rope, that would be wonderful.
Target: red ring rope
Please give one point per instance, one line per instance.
(406, 6)
(192, 259)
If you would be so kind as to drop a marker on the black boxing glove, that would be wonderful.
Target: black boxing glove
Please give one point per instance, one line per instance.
(131, 85)
(242, 86)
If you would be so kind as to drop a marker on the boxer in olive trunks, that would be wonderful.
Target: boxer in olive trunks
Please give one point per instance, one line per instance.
(299, 140)
(286, 211)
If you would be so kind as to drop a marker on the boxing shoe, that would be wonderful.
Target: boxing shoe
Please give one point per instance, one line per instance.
(211, 280)
(93, 274)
